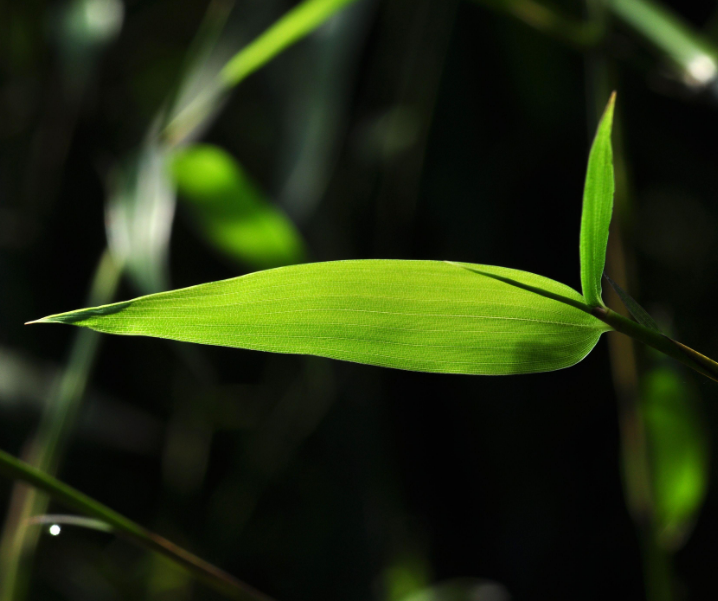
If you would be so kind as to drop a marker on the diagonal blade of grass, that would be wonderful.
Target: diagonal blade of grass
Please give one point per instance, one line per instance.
(74, 499)
(686, 48)
(293, 26)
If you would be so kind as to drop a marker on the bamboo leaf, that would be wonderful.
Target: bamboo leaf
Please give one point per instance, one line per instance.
(415, 315)
(597, 209)
(232, 212)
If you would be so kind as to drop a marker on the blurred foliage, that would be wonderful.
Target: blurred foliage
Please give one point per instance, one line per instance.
(231, 211)
(679, 452)
(140, 212)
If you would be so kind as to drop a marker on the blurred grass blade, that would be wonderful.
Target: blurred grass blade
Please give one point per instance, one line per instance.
(140, 211)
(687, 49)
(597, 209)
(639, 313)
(199, 93)
(297, 23)
(415, 315)
(678, 447)
(232, 213)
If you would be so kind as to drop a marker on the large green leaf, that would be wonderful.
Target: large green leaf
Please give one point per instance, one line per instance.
(232, 212)
(415, 315)
(597, 209)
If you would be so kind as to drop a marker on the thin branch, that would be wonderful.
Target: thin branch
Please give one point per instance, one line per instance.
(686, 355)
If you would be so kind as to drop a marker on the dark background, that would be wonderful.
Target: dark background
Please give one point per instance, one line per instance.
(321, 477)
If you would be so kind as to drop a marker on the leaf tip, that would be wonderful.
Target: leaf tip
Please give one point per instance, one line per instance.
(48, 319)
(610, 105)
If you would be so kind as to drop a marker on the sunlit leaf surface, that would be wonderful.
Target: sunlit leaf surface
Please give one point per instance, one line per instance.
(415, 315)
(597, 209)
(232, 212)
(678, 452)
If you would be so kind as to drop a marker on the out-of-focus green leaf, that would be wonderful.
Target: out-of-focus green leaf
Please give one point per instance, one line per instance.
(678, 447)
(140, 210)
(297, 23)
(407, 575)
(597, 209)
(231, 211)
(415, 315)
(462, 589)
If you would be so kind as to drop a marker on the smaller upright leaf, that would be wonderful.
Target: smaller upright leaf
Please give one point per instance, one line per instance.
(597, 209)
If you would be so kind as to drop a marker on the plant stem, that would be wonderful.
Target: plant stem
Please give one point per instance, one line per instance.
(74, 499)
(686, 355)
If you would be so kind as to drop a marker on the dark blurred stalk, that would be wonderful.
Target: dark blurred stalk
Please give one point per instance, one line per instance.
(46, 449)
(425, 36)
(637, 482)
(548, 21)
